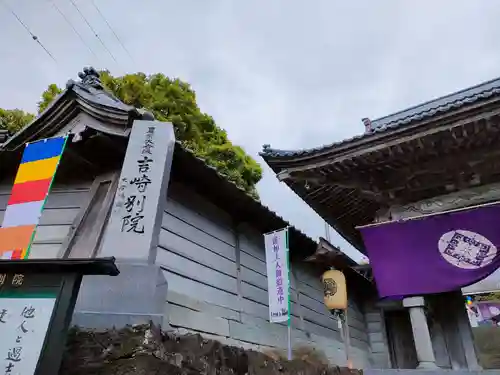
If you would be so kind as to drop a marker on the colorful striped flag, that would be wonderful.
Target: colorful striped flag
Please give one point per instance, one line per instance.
(29, 193)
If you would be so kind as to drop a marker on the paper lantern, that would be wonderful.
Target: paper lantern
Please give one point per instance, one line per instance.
(334, 290)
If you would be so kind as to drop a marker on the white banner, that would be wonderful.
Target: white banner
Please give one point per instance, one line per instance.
(487, 285)
(278, 281)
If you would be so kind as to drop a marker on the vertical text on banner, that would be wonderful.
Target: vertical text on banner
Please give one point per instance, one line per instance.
(278, 282)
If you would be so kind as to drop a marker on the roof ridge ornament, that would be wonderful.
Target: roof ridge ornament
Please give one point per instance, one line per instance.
(368, 124)
(91, 77)
(91, 90)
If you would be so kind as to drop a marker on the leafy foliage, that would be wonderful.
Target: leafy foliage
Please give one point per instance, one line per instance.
(14, 120)
(175, 101)
(495, 296)
(48, 96)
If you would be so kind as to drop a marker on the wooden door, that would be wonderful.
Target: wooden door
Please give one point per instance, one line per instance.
(400, 339)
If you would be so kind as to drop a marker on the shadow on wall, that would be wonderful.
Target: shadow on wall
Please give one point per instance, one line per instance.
(488, 344)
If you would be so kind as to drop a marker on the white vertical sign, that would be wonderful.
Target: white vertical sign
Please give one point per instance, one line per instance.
(473, 317)
(135, 221)
(278, 281)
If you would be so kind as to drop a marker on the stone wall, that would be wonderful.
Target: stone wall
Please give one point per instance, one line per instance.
(145, 350)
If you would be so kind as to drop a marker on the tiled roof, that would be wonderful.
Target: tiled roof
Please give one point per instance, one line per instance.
(233, 199)
(420, 112)
(443, 104)
(88, 96)
(253, 210)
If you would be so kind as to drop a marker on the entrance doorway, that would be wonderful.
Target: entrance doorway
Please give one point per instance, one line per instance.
(400, 339)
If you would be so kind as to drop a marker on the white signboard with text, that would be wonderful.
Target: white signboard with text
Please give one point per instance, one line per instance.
(137, 211)
(278, 282)
(24, 322)
(487, 285)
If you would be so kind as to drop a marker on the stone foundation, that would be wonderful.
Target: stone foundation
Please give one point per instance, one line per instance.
(136, 296)
(145, 350)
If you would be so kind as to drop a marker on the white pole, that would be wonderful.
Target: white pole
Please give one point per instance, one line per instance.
(327, 232)
(289, 351)
(344, 334)
(347, 341)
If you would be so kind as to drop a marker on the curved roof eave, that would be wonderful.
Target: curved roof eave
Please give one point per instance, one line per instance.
(77, 97)
(399, 119)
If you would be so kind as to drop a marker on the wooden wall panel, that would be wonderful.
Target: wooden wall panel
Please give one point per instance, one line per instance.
(218, 286)
(61, 209)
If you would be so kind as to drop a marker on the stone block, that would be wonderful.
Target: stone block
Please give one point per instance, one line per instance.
(376, 337)
(429, 372)
(198, 321)
(413, 302)
(136, 296)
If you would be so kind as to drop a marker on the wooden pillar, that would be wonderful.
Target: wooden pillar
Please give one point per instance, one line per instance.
(421, 335)
(464, 330)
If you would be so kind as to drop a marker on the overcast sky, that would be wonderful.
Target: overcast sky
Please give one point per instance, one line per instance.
(290, 73)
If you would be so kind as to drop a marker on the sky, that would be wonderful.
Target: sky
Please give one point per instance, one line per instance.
(293, 74)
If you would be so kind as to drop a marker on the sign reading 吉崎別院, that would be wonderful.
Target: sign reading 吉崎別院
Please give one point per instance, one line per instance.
(24, 322)
(137, 210)
(278, 282)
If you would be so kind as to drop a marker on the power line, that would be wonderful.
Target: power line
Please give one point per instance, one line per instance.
(112, 30)
(33, 36)
(92, 29)
(73, 28)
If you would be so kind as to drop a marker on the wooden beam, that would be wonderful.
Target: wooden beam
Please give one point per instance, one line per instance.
(367, 190)
(352, 154)
(82, 160)
(331, 256)
(461, 168)
(468, 162)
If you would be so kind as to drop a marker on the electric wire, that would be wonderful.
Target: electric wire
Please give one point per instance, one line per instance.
(112, 30)
(73, 28)
(33, 36)
(93, 30)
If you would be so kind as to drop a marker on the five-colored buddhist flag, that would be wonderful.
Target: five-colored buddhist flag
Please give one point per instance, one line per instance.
(434, 254)
(29, 193)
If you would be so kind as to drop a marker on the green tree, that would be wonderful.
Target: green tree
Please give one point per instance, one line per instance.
(14, 120)
(495, 296)
(175, 101)
(48, 96)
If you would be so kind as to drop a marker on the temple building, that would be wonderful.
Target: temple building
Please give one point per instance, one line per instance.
(197, 262)
(438, 156)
